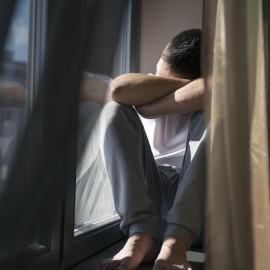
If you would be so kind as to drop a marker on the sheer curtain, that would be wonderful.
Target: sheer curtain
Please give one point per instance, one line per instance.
(236, 68)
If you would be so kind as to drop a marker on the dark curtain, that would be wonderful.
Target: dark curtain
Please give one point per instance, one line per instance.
(81, 35)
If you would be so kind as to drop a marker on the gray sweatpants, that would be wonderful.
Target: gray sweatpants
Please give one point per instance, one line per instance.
(157, 200)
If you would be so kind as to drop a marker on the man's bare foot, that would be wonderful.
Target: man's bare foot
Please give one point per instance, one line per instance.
(172, 255)
(139, 248)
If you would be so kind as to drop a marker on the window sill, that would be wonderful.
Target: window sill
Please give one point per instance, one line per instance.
(196, 259)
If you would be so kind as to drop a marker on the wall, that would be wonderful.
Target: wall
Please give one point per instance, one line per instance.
(160, 21)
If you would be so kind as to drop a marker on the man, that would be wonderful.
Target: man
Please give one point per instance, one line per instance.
(158, 192)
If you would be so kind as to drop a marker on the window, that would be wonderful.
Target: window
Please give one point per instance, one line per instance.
(94, 218)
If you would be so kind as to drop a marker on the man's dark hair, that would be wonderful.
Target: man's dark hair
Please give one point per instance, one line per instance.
(182, 54)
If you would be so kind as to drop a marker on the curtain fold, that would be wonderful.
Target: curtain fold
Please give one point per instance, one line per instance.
(237, 203)
(259, 140)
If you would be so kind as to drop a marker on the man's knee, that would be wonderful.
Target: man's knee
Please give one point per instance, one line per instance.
(116, 112)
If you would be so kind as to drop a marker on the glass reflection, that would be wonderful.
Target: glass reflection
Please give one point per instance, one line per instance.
(94, 205)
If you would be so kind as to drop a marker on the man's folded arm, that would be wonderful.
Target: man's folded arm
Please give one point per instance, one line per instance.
(185, 99)
(137, 89)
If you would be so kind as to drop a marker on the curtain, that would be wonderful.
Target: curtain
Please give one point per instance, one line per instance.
(38, 175)
(236, 71)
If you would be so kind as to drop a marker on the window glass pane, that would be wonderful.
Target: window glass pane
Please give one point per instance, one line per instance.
(94, 205)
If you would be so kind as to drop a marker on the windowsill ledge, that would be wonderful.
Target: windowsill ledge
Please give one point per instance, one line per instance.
(195, 258)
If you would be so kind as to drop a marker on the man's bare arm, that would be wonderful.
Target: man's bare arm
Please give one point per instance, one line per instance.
(137, 89)
(186, 99)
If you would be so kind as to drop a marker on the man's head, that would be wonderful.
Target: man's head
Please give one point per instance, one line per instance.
(182, 55)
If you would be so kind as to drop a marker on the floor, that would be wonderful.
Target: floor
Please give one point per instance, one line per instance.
(195, 258)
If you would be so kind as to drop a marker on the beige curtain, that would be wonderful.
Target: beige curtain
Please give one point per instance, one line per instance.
(237, 200)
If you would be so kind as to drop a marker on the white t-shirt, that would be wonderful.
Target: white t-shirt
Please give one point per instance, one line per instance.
(167, 136)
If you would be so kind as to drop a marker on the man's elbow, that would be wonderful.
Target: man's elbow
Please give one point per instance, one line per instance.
(119, 93)
(116, 91)
(144, 112)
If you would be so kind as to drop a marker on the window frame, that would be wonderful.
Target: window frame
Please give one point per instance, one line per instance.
(49, 258)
